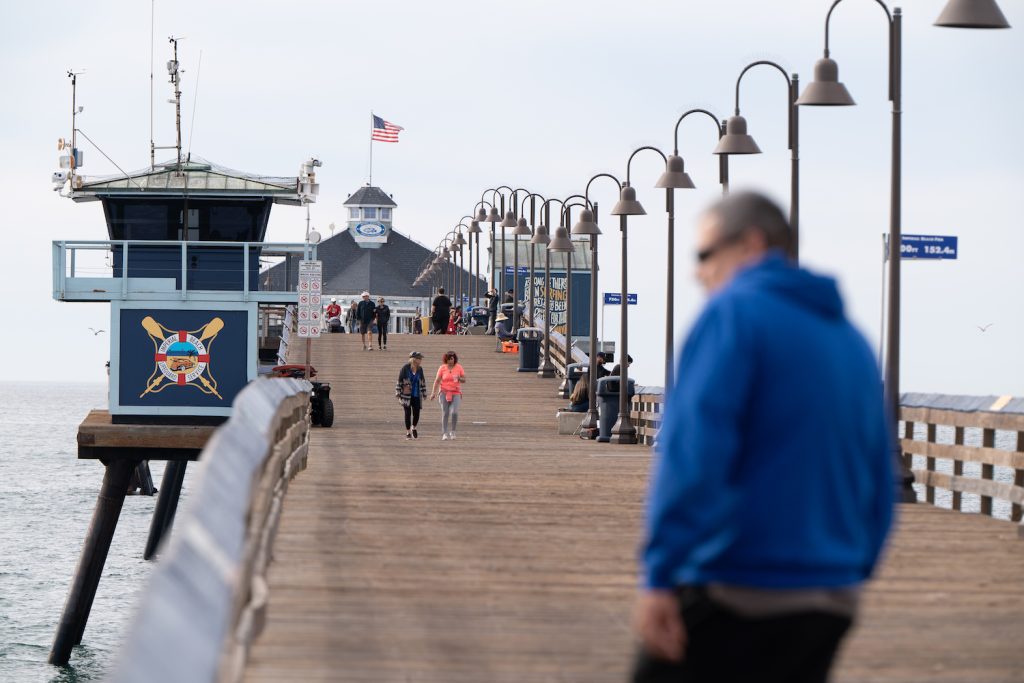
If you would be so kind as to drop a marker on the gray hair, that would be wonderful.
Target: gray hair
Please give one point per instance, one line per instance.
(742, 212)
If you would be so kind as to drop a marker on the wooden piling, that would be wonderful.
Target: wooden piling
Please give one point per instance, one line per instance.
(93, 557)
(166, 505)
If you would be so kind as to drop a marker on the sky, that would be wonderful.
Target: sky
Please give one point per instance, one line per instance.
(542, 95)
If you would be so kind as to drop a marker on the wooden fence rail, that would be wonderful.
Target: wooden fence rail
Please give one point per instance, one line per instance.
(206, 599)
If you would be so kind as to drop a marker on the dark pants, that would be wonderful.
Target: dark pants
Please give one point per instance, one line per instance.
(723, 646)
(412, 413)
(382, 335)
(440, 324)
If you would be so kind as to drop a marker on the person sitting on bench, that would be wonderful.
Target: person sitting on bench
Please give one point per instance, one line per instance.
(503, 328)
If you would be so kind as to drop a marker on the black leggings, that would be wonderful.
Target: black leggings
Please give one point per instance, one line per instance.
(412, 412)
(382, 335)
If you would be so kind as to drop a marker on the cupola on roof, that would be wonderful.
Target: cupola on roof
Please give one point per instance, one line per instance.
(369, 196)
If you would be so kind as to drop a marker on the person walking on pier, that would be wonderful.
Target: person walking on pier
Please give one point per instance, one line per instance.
(440, 312)
(772, 490)
(383, 316)
(364, 313)
(410, 389)
(448, 387)
(492, 309)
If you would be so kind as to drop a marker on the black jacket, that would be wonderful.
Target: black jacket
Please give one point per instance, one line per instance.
(492, 304)
(383, 313)
(442, 306)
(365, 311)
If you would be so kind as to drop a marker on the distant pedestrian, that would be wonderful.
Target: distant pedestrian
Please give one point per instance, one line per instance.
(448, 388)
(364, 313)
(617, 369)
(492, 309)
(383, 315)
(440, 312)
(417, 323)
(772, 488)
(351, 318)
(409, 390)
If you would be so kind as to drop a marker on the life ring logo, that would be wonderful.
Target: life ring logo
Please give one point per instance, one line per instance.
(182, 357)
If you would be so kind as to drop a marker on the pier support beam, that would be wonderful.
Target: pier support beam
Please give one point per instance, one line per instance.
(94, 556)
(166, 505)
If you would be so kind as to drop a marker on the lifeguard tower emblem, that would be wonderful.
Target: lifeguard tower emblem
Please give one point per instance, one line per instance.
(182, 357)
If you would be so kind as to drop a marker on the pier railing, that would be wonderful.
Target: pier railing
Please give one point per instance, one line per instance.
(967, 452)
(206, 599)
(121, 270)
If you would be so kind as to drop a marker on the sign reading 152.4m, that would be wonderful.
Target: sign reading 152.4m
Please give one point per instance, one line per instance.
(928, 247)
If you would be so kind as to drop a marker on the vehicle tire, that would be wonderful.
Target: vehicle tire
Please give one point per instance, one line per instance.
(327, 414)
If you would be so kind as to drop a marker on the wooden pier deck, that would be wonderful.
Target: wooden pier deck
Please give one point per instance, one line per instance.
(509, 554)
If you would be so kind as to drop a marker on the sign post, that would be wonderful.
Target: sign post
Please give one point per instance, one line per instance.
(615, 299)
(310, 309)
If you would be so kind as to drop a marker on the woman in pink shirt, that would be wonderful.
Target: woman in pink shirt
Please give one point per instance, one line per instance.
(448, 386)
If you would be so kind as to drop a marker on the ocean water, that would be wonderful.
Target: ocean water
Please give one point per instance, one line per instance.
(47, 497)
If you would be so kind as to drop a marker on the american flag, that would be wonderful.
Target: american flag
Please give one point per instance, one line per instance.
(384, 131)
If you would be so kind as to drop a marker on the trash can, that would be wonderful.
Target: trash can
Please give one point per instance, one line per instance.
(608, 405)
(572, 375)
(529, 348)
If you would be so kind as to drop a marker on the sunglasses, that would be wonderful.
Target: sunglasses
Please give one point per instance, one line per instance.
(707, 252)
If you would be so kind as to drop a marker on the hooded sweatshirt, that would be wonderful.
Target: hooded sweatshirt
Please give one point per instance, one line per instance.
(775, 464)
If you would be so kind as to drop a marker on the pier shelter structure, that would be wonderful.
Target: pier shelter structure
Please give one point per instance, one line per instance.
(180, 269)
(369, 255)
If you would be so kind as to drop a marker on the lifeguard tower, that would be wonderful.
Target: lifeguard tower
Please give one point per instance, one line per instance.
(182, 263)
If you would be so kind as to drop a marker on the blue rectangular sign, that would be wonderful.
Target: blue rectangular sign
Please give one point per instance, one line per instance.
(523, 270)
(928, 247)
(615, 298)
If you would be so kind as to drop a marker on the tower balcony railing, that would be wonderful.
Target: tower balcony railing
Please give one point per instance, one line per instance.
(172, 270)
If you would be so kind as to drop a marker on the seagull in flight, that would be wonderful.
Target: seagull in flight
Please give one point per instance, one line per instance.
(983, 328)
(96, 332)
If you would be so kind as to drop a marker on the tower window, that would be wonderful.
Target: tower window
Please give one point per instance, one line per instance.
(385, 214)
(353, 214)
(370, 212)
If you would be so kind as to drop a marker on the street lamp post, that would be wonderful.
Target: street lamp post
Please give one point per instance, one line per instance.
(541, 236)
(737, 141)
(624, 431)
(522, 228)
(675, 176)
(562, 243)
(587, 225)
(826, 90)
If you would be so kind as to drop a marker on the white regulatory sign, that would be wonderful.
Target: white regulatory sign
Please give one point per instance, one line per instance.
(310, 284)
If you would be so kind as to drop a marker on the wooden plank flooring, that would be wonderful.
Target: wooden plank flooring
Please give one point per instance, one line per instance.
(509, 554)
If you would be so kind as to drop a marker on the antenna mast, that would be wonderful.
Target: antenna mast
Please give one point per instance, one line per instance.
(172, 67)
(74, 126)
(152, 145)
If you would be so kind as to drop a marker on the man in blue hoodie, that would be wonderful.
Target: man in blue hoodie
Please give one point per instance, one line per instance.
(772, 489)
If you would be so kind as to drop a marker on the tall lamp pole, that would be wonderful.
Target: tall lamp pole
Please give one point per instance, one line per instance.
(737, 141)
(826, 90)
(523, 228)
(623, 431)
(542, 237)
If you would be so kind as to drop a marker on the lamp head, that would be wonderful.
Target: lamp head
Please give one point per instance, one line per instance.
(474, 227)
(561, 241)
(675, 175)
(972, 14)
(586, 224)
(540, 235)
(481, 215)
(627, 204)
(522, 228)
(736, 140)
(494, 216)
(826, 90)
(459, 241)
(510, 220)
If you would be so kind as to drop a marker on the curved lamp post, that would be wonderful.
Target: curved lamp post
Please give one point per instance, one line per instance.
(826, 90)
(972, 14)
(675, 162)
(737, 141)
(560, 242)
(481, 217)
(540, 236)
(523, 229)
(624, 431)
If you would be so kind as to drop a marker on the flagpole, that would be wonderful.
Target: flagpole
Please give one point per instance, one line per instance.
(371, 148)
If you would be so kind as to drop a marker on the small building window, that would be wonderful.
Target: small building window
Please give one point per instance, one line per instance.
(353, 214)
(385, 214)
(370, 212)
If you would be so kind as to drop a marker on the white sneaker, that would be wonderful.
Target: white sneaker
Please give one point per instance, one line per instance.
(444, 437)
(452, 436)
